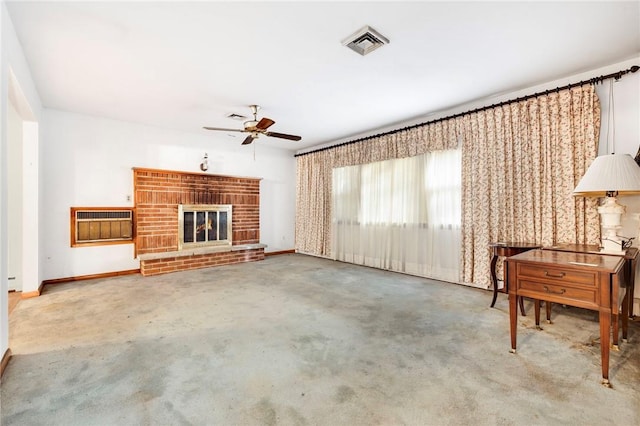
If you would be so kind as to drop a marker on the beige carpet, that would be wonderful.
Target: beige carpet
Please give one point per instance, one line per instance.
(297, 340)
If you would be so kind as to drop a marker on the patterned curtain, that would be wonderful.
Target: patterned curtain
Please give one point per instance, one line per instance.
(314, 170)
(520, 164)
(313, 203)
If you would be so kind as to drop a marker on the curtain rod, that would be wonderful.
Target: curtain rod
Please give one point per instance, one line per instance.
(617, 75)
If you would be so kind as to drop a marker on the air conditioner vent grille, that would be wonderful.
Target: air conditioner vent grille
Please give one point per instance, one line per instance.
(365, 40)
(88, 215)
(101, 225)
(235, 116)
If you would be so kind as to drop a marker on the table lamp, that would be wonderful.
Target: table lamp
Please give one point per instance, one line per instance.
(610, 176)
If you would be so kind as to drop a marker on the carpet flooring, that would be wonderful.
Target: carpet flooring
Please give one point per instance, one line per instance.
(299, 340)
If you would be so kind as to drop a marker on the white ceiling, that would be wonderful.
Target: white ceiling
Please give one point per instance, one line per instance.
(185, 65)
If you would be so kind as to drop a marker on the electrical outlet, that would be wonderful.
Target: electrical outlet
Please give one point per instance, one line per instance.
(128, 197)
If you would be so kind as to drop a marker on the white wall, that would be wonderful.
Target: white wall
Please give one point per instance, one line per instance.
(88, 161)
(626, 123)
(626, 97)
(14, 68)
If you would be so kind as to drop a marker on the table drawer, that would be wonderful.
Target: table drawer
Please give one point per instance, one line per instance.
(567, 293)
(558, 275)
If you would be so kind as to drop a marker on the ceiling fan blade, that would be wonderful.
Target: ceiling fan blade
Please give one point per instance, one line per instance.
(283, 136)
(264, 123)
(223, 129)
(248, 140)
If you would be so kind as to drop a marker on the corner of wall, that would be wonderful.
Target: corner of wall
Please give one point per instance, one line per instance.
(13, 69)
(4, 362)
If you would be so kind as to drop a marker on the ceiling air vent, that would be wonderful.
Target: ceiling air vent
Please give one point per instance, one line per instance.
(365, 40)
(235, 116)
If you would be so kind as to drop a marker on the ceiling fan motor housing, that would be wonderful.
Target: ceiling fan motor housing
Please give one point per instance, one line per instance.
(250, 125)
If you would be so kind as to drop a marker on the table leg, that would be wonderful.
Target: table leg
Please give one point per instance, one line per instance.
(547, 306)
(605, 341)
(615, 331)
(631, 287)
(521, 302)
(494, 279)
(513, 320)
(625, 316)
(615, 319)
(536, 309)
(616, 303)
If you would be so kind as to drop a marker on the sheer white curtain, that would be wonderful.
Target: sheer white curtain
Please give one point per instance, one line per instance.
(401, 214)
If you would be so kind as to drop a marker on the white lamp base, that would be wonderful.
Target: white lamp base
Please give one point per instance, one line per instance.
(612, 247)
(610, 217)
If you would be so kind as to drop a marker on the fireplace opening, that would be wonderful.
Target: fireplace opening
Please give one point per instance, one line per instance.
(203, 225)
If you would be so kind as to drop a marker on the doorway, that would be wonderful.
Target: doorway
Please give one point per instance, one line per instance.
(14, 197)
(22, 136)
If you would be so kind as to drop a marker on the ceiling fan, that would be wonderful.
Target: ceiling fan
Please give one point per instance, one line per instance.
(256, 128)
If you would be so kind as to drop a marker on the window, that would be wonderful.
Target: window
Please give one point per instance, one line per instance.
(101, 225)
(400, 214)
(424, 190)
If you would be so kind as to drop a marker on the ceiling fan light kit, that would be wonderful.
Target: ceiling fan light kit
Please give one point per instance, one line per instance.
(256, 127)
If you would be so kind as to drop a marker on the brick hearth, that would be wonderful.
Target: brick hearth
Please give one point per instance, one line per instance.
(157, 195)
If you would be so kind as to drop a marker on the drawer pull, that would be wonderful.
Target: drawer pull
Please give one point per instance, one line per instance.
(547, 274)
(548, 290)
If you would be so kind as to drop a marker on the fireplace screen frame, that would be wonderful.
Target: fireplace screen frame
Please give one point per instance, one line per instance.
(202, 218)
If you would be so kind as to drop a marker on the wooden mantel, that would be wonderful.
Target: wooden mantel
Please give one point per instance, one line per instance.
(157, 194)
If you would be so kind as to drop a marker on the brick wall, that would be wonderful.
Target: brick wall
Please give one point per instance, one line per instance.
(173, 264)
(157, 194)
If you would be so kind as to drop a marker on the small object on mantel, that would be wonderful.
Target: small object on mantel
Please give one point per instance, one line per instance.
(204, 166)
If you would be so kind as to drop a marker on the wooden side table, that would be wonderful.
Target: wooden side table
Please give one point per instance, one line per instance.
(506, 249)
(589, 281)
(631, 262)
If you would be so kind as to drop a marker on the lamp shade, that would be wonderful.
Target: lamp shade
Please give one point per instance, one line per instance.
(613, 172)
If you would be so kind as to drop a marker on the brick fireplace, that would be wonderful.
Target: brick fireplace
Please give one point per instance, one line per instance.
(159, 197)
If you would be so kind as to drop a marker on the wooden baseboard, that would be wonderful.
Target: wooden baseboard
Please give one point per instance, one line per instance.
(275, 253)
(30, 294)
(5, 361)
(91, 277)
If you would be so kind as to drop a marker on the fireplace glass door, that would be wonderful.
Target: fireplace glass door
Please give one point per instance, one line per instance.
(203, 225)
